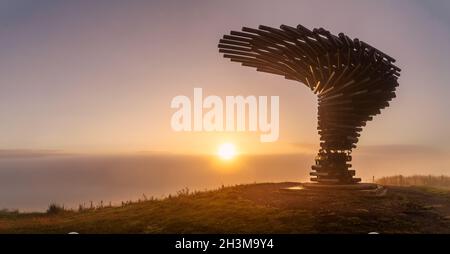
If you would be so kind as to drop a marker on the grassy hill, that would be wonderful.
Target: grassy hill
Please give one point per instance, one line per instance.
(255, 208)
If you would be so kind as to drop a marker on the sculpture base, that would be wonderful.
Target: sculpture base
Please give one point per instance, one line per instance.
(367, 188)
(356, 186)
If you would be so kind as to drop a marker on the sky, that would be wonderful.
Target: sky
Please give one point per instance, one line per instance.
(99, 76)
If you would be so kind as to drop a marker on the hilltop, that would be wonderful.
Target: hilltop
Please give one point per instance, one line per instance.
(254, 208)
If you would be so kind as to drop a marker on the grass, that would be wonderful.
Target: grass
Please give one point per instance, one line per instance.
(417, 180)
(255, 208)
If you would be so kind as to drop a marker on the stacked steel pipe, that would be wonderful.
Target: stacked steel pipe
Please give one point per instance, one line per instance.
(353, 82)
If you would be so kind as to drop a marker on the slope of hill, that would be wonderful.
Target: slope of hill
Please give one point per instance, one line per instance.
(255, 208)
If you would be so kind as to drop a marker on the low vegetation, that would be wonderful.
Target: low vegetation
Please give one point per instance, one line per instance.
(416, 180)
(254, 208)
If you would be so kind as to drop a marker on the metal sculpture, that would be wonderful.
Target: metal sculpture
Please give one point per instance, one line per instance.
(352, 80)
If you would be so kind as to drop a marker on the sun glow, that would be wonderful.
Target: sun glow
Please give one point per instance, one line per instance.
(227, 151)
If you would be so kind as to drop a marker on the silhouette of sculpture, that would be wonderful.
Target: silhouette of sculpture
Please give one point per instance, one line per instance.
(352, 80)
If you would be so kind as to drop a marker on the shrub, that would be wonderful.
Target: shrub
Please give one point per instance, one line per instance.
(55, 209)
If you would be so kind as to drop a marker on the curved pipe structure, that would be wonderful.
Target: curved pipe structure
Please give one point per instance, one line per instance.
(353, 82)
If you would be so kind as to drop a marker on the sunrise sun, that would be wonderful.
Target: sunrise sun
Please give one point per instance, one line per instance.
(226, 151)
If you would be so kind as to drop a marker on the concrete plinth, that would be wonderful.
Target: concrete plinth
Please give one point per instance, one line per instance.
(368, 188)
